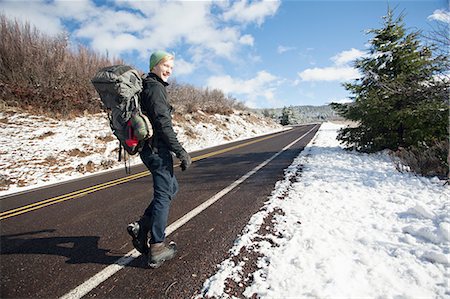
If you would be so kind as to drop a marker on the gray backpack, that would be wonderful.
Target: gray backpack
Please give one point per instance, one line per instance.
(119, 87)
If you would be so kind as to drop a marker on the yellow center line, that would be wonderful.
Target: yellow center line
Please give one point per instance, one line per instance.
(92, 189)
(71, 195)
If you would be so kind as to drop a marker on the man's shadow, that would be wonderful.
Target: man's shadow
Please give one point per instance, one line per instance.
(78, 250)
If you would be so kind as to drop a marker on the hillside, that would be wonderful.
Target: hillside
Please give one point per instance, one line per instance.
(37, 150)
(302, 114)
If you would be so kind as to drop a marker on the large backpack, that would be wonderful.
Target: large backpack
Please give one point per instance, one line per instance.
(119, 87)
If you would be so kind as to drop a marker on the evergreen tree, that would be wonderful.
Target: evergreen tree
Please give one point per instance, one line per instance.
(401, 99)
(286, 115)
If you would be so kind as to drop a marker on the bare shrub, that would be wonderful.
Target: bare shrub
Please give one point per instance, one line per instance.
(188, 99)
(41, 73)
(426, 160)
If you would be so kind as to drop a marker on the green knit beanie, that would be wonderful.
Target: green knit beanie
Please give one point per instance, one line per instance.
(156, 58)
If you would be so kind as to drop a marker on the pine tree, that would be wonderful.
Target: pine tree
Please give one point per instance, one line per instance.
(401, 98)
(286, 116)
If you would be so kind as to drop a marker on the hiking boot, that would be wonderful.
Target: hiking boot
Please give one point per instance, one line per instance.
(140, 240)
(159, 253)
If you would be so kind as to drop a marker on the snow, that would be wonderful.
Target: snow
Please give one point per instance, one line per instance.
(342, 225)
(38, 151)
(339, 224)
(383, 57)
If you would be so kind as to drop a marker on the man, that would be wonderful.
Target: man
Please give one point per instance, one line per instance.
(157, 156)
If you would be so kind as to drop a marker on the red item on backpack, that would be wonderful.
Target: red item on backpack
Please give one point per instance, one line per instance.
(132, 140)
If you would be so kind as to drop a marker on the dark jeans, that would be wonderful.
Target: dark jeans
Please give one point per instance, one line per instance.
(165, 186)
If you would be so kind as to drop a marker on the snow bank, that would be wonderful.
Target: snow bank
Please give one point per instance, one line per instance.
(36, 150)
(200, 130)
(344, 224)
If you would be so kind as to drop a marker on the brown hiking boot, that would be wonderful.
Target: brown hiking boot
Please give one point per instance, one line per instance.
(159, 253)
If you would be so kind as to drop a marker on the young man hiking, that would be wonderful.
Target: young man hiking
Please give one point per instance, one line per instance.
(157, 156)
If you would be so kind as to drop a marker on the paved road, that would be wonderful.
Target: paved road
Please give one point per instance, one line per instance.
(55, 239)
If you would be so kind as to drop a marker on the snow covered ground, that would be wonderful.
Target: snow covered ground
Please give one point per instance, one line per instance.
(342, 225)
(37, 150)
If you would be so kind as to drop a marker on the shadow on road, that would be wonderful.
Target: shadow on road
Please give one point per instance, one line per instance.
(78, 250)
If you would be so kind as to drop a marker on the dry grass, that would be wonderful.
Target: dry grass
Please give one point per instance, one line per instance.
(427, 161)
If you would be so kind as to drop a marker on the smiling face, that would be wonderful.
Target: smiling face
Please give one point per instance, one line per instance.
(164, 68)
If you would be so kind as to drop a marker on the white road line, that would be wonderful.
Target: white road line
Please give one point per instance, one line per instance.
(109, 271)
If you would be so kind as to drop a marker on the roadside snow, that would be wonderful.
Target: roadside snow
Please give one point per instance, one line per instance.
(342, 225)
(36, 150)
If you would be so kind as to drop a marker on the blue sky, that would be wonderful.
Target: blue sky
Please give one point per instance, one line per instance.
(263, 53)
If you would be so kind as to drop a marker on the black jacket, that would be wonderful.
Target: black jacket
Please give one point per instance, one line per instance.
(155, 104)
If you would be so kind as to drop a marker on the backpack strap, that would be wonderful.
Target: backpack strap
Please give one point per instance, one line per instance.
(125, 158)
(120, 151)
(127, 167)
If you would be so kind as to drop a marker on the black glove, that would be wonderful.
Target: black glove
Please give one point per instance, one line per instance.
(185, 159)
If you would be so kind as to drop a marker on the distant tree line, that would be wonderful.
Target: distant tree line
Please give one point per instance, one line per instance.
(43, 74)
(401, 100)
(300, 114)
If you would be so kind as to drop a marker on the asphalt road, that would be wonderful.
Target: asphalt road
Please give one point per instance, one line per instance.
(54, 239)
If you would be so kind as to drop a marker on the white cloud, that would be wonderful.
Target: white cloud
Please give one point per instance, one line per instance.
(182, 67)
(229, 84)
(143, 26)
(255, 90)
(254, 12)
(192, 23)
(329, 74)
(340, 71)
(440, 15)
(247, 40)
(116, 44)
(254, 58)
(34, 13)
(147, 25)
(282, 49)
(47, 16)
(345, 57)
